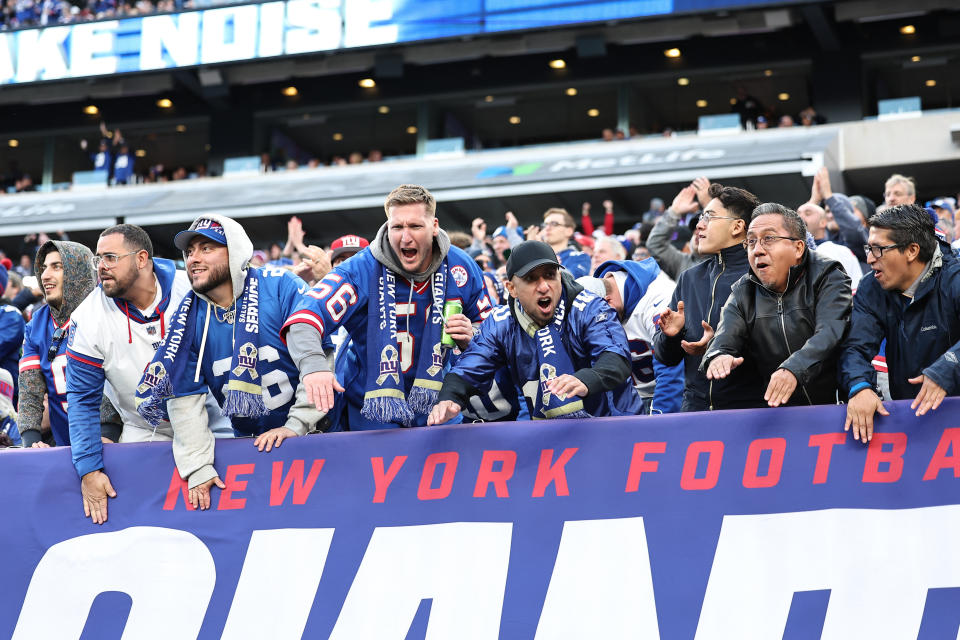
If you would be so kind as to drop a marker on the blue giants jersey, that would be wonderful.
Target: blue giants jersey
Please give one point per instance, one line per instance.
(576, 262)
(589, 329)
(280, 292)
(36, 343)
(343, 298)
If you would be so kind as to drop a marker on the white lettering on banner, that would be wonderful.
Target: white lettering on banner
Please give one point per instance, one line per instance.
(229, 34)
(6, 57)
(359, 15)
(91, 49)
(461, 565)
(878, 565)
(587, 164)
(177, 35)
(601, 585)
(313, 25)
(168, 574)
(271, 30)
(292, 559)
(41, 55)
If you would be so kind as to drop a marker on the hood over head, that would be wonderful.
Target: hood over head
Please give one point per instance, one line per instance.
(638, 274)
(239, 246)
(79, 276)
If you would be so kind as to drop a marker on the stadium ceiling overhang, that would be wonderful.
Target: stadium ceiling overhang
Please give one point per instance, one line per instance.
(514, 172)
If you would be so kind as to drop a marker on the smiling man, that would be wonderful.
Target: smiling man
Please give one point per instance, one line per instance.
(391, 298)
(562, 346)
(913, 301)
(225, 338)
(788, 315)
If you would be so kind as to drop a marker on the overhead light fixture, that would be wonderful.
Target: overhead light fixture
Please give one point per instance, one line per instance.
(683, 81)
(571, 91)
(514, 119)
(367, 83)
(783, 97)
(915, 59)
(558, 63)
(140, 153)
(164, 103)
(411, 129)
(383, 109)
(91, 110)
(290, 91)
(338, 136)
(593, 113)
(908, 29)
(931, 83)
(768, 72)
(13, 142)
(733, 101)
(672, 53)
(181, 128)
(488, 98)
(701, 103)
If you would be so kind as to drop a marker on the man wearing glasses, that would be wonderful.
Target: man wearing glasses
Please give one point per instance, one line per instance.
(558, 228)
(913, 301)
(687, 324)
(67, 276)
(788, 315)
(114, 334)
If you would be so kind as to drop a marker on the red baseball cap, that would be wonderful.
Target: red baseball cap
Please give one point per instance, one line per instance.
(347, 244)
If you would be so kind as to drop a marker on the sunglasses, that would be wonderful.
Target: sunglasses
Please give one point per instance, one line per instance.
(58, 336)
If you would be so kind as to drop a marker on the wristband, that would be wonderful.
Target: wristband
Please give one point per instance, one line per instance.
(857, 388)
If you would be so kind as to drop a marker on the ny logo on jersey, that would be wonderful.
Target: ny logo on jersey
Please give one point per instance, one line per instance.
(246, 361)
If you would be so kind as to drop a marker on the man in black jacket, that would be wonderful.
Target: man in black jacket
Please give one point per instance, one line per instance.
(789, 315)
(687, 325)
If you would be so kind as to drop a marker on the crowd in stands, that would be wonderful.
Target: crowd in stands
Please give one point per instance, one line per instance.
(20, 14)
(717, 301)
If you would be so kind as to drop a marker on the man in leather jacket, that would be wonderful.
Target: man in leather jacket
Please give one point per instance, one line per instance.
(789, 315)
(687, 325)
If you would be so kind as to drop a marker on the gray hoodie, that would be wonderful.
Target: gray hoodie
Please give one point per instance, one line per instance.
(193, 442)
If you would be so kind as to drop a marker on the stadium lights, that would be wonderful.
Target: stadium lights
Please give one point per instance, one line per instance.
(593, 113)
(558, 63)
(13, 142)
(768, 72)
(164, 103)
(384, 109)
(488, 98)
(908, 29)
(367, 83)
(683, 81)
(672, 53)
(338, 136)
(915, 59)
(733, 101)
(140, 153)
(91, 110)
(514, 119)
(701, 103)
(931, 83)
(571, 91)
(411, 129)
(783, 97)
(290, 91)
(181, 128)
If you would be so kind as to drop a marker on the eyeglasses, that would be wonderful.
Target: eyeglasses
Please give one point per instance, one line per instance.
(553, 224)
(58, 336)
(709, 217)
(878, 251)
(767, 241)
(110, 260)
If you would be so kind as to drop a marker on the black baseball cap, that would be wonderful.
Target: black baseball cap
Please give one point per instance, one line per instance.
(529, 255)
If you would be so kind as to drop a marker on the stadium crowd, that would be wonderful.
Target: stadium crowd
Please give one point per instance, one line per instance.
(21, 14)
(717, 301)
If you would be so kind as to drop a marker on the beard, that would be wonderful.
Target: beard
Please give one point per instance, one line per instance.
(215, 277)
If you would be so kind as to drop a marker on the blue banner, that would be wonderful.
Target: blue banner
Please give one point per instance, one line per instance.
(742, 524)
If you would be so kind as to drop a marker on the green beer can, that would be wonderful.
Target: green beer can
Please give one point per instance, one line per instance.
(450, 308)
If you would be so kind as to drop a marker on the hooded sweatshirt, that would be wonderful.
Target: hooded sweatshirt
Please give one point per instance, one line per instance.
(38, 375)
(352, 281)
(212, 340)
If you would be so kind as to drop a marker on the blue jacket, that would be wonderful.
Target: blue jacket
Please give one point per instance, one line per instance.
(704, 288)
(922, 335)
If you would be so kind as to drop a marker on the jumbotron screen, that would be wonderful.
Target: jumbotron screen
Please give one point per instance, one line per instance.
(291, 27)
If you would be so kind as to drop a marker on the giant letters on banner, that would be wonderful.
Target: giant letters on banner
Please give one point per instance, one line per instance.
(687, 527)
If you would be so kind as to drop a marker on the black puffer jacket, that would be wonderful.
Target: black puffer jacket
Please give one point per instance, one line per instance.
(800, 330)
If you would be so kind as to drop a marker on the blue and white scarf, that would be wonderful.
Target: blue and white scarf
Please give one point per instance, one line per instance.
(552, 361)
(244, 393)
(385, 400)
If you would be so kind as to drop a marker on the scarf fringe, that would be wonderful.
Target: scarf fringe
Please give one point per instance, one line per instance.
(241, 403)
(422, 399)
(387, 409)
(151, 408)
